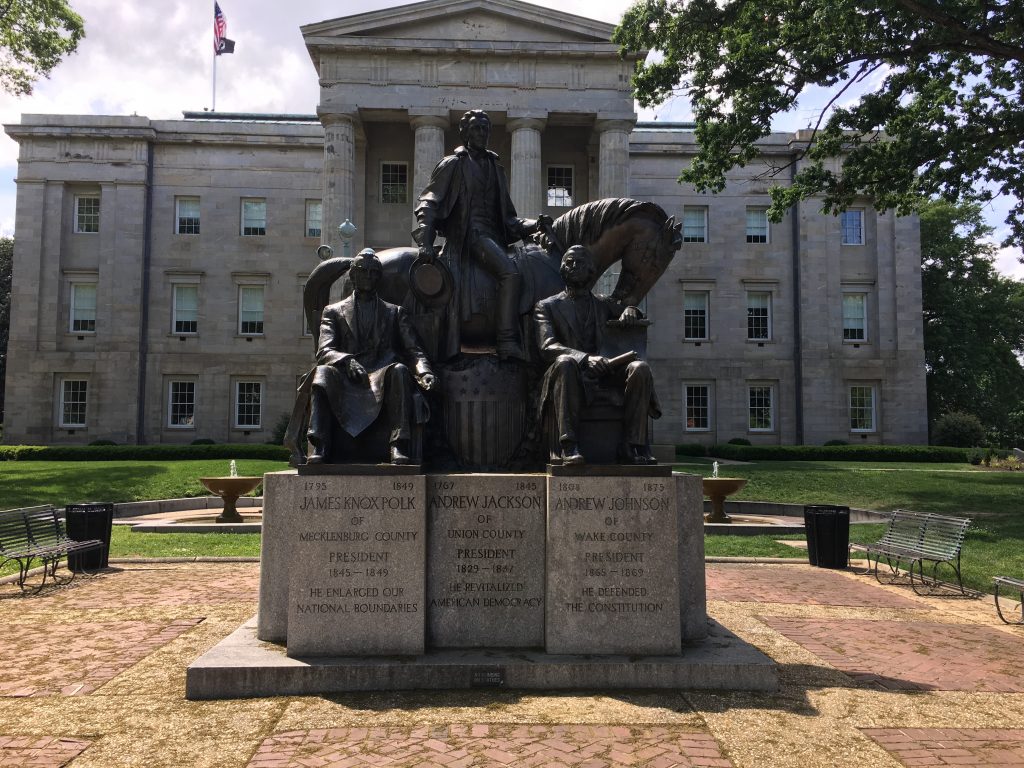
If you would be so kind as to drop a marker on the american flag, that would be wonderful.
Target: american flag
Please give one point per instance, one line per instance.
(220, 27)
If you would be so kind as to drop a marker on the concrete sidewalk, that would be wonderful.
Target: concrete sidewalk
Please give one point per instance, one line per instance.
(93, 675)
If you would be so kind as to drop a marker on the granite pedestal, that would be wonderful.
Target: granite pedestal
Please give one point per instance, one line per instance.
(599, 585)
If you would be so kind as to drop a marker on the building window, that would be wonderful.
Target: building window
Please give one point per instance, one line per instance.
(760, 408)
(695, 315)
(697, 407)
(185, 309)
(394, 182)
(862, 408)
(560, 186)
(187, 213)
(314, 217)
(757, 225)
(181, 404)
(248, 404)
(83, 308)
(759, 315)
(695, 224)
(254, 217)
(855, 314)
(852, 223)
(87, 213)
(74, 395)
(250, 310)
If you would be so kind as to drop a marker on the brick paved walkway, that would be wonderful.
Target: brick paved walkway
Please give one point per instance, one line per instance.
(38, 752)
(76, 659)
(480, 746)
(156, 585)
(976, 747)
(903, 655)
(964, 668)
(799, 585)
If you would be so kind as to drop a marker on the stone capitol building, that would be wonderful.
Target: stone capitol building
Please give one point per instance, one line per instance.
(159, 264)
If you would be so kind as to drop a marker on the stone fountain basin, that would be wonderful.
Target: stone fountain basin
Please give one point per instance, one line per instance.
(230, 486)
(723, 486)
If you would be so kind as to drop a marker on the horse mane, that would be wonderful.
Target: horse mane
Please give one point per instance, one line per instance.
(586, 223)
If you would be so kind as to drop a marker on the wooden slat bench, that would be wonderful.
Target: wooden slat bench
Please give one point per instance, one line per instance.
(912, 539)
(37, 535)
(1009, 584)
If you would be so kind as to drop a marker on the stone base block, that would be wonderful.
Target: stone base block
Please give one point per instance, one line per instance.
(240, 666)
(485, 562)
(612, 566)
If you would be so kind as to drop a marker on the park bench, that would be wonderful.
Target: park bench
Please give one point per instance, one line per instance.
(1010, 585)
(911, 540)
(37, 535)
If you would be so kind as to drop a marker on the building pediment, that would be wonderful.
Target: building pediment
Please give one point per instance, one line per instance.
(507, 21)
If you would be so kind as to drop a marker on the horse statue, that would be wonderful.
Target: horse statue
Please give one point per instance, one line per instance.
(637, 235)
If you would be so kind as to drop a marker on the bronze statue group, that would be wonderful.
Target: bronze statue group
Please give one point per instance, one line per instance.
(374, 368)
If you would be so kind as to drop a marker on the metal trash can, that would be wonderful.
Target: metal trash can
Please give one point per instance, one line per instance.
(828, 535)
(91, 520)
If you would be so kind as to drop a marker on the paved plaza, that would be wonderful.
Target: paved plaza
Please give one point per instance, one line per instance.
(93, 676)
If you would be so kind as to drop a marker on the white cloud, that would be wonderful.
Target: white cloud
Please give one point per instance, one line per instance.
(156, 60)
(1008, 263)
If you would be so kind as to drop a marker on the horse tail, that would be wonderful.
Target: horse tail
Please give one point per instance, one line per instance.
(317, 293)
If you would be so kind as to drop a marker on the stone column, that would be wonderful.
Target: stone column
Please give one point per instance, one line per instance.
(428, 150)
(613, 157)
(339, 200)
(526, 187)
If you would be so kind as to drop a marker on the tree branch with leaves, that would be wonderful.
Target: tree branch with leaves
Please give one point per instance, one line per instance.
(942, 112)
(34, 36)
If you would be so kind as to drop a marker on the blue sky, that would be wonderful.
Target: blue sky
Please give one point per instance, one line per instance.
(136, 59)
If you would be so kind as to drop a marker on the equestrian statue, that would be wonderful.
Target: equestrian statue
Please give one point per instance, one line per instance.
(471, 303)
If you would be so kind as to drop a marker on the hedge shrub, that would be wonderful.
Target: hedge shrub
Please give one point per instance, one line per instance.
(963, 430)
(922, 453)
(691, 449)
(142, 452)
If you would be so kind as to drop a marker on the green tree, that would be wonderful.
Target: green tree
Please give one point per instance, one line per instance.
(34, 36)
(973, 322)
(942, 110)
(6, 263)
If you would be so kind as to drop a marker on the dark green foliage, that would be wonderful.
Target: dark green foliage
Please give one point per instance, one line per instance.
(923, 453)
(102, 442)
(203, 441)
(141, 452)
(836, 442)
(279, 430)
(960, 429)
(691, 449)
(973, 325)
(941, 110)
(739, 441)
(35, 36)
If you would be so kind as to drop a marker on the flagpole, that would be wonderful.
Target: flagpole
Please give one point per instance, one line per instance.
(214, 107)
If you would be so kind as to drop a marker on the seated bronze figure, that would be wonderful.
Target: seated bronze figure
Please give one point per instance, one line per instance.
(571, 334)
(369, 365)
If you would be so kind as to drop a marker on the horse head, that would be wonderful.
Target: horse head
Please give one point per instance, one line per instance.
(645, 262)
(638, 234)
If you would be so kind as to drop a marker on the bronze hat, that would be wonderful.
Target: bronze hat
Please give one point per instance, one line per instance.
(431, 282)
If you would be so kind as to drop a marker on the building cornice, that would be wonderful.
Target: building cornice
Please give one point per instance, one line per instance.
(418, 13)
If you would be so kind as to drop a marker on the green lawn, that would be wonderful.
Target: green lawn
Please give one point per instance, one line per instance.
(25, 483)
(995, 500)
(125, 543)
(949, 489)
